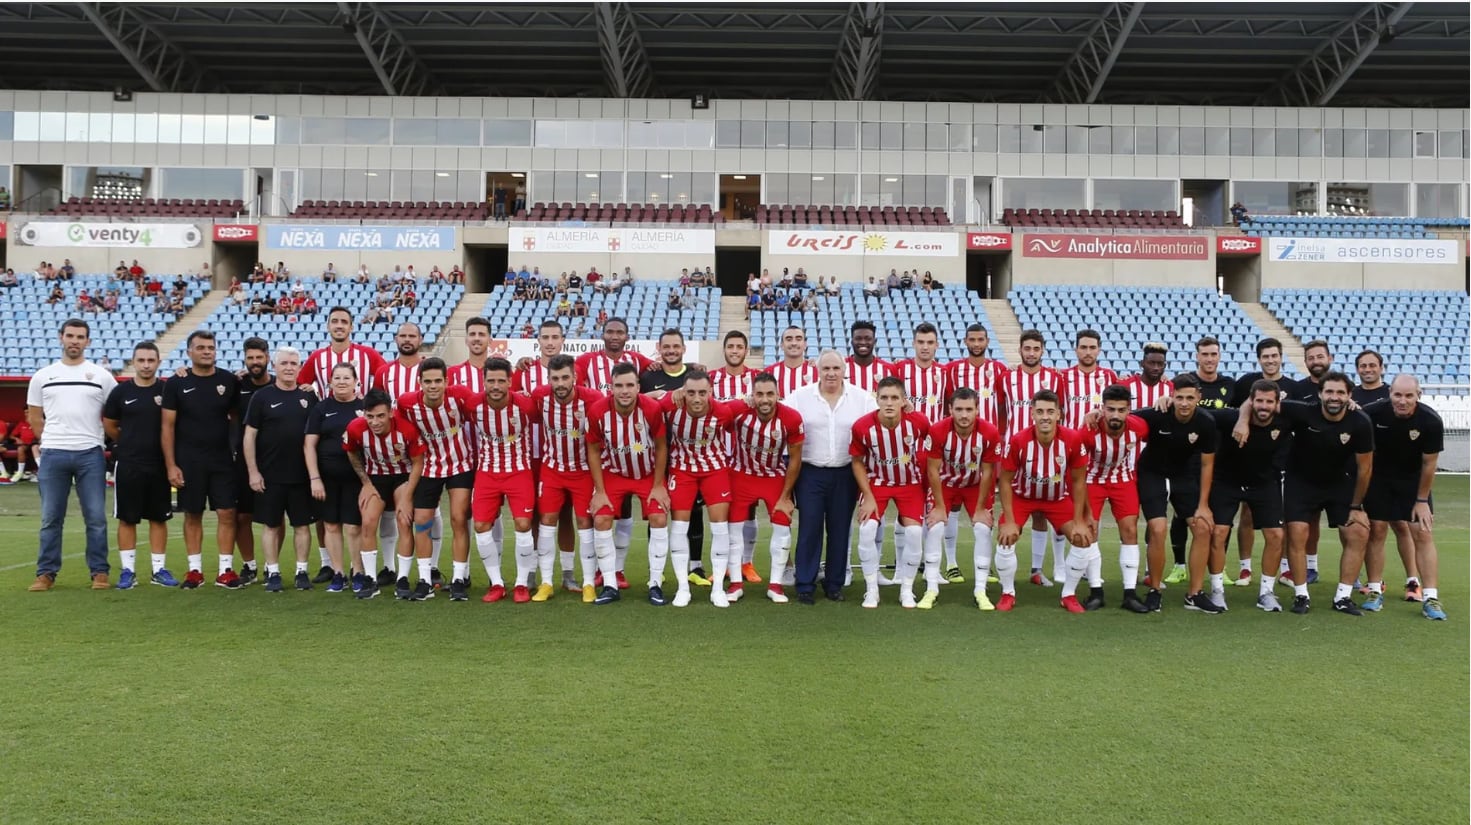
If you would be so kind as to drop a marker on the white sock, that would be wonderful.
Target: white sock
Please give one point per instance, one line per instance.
(227, 563)
(127, 558)
(370, 562)
(1059, 556)
(1266, 585)
(587, 548)
(301, 567)
(934, 548)
(525, 557)
(158, 560)
(1343, 591)
(326, 559)
(462, 571)
(603, 552)
(1077, 568)
(868, 550)
(498, 529)
(273, 569)
(425, 569)
(721, 554)
(1431, 593)
(1300, 589)
(748, 540)
(679, 552)
(196, 561)
(490, 557)
(436, 539)
(622, 538)
(1376, 587)
(568, 559)
(1282, 568)
(893, 528)
(738, 551)
(1094, 557)
(1217, 581)
(1313, 562)
(546, 552)
(1040, 539)
(1129, 565)
(387, 533)
(1409, 580)
(1005, 569)
(402, 566)
(982, 554)
(952, 539)
(781, 539)
(1246, 565)
(659, 554)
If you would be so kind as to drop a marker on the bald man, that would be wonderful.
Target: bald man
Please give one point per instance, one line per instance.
(1408, 440)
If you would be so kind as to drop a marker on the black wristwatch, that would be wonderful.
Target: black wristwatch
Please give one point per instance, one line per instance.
(1358, 507)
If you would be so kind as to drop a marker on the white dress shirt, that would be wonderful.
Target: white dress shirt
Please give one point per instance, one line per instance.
(828, 427)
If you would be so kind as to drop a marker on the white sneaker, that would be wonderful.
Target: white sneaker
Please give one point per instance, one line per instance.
(779, 598)
(906, 599)
(682, 597)
(717, 598)
(736, 594)
(1218, 598)
(871, 597)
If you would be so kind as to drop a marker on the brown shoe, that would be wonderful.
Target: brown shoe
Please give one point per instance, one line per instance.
(43, 582)
(99, 581)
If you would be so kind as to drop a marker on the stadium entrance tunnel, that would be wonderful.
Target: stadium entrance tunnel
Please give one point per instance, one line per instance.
(734, 265)
(233, 260)
(988, 274)
(1240, 278)
(485, 266)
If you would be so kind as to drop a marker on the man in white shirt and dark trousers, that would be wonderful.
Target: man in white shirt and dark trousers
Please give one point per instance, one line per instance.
(65, 412)
(826, 491)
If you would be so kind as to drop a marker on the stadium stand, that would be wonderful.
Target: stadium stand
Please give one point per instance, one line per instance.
(645, 306)
(1338, 226)
(894, 315)
(393, 210)
(1418, 331)
(803, 215)
(1130, 317)
(1094, 218)
(33, 323)
(233, 323)
(150, 207)
(620, 213)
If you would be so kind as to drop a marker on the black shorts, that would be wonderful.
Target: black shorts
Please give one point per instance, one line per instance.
(1158, 492)
(429, 491)
(1303, 499)
(1392, 499)
(341, 504)
(141, 493)
(293, 501)
(208, 480)
(244, 496)
(1264, 499)
(387, 486)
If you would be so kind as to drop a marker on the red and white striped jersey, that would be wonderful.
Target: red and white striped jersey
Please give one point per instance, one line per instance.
(926, 386)
(468, 375)
(791, 379)
(1112, 460)
(627, 441)
(595, 369)
(445, 429)
(1041, 470)
(867, 378)
(962, 456)
(564, 428)
(317, 368)
(894, 456)
(528, 380)
(397, 379)
(696, 444)
(386, 455)
(503, 436)
(1082, 393)
(1020, 386)
(1143, 395)
(988, 379)
(761, 446)
(727, 386)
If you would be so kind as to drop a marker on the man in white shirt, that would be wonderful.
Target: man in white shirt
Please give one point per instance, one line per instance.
(65, 412)
(826, 491)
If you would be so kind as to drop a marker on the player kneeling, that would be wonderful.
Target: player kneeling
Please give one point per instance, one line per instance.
(962, 463)
(889, 463)
(387, 454)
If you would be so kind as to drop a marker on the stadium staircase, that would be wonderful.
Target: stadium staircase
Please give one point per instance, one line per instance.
(1008, 330)
(452, 339)
(1273, 328)
(192, 320)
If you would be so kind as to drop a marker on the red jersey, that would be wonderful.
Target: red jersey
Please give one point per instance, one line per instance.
(868, 377)
(726, 386)
(1143, 395)
(1082, 393)
(595, 369)
(397, 379)
(564, 428)
(961, 456)
(444, 428)
(528, 380)
(1041, 471)
(385, 455)
(926, 386)
(627, 441)
(894, 456)
(1018, 391)
(791, 379)
(761, 446)
(317, 368)
(503, 436)
(696, 444)
(987, 379)
(466, 374)
(1111, 460)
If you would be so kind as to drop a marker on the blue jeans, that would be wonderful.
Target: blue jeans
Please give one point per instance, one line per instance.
(825, 497)
(56, 472)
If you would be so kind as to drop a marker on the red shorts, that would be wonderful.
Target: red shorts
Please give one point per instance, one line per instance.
(747, 490)
(909, 500)
(493, 488)
(555, 488)
(1122, 497)
(619, 489)
(1057, 513)
(714, 487)
(968, 499)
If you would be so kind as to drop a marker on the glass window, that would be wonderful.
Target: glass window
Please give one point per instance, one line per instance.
(1134, 194)
(1436, 200)
(288, 130)
(636, 192)
(1368, 199)
(703, 187)
(728, 134)
(372, 131)
(937, 137)
(1054, 139)
(822, 135)
(1240, 137)
(1042, 193)
(984, 137)
(76, 127)
(262, 130)
(799, 188)
(1264, 142)
(589, 187)
(379, 185)
(776, 134)
(120, 182)
(457, 132)
(753, 134)
(1100, 140)
(191, 128)
(1031, 139)
(869, 135)
(1167, 139)
(1123, 139)
(53, 126)
(914, 136)
(122, 128)
(1286, 143)
(506, 133)
(1332, 143)
(224, 184)
(145, 128)
(1376, 143)
(891, 136)
(322, 131)
(669, 135)
(1355, 143)
(1009, 138)
(777, 191)
(699, 134)
(1144, 140)
(960, 138)
(216, 129)
(413, 131)
(822, 188)
(1310, 143)
(27, 126)
(1424, 144)
(605, 134)
(845, 190)
(1262, 197)
(1450, 144)
(642, 134)
(7, 131)
(845, 134)
(799, 134)
(1192, 140)
(1217, 140)
(550, 134)
(1400, 141)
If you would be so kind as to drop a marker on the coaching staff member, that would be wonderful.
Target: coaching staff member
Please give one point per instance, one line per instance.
(826, 490)
(275, 438)
(133, 419)
(65, 410)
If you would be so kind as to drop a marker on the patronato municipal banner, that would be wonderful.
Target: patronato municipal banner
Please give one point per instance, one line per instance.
(513, 349)
(1117, 247)
(359, 238)
(117, 235)
(1362, 251)
(603, 240)
(895, 244)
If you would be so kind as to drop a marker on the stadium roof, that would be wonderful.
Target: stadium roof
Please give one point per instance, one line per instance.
(1293, 54)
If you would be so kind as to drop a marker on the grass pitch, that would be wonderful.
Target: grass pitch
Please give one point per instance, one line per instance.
(212, 706)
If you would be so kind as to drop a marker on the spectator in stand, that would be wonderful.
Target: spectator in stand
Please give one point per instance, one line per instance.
(709, 276)
(519, 202)
(329, 275)
(520, 291)
(9, 280)
(525, 273)
(800, 279)
(674, 301)
(136, 269)
(546, 290)
(684, 278)
(238, 295)
(435, 275)
(765, 279)
(600, 321)
(121, 271)
(832, 286)
(456, 275)
(527, 331)
(627, 277)
(411, 299)
(283, 304)
(574, 283)
(270, 279)
(67, 271)
(180, 285)
(410, 276)
(176, 305)
(783, 302)
(310, 306)
(798, 303)
(906, 281)
(871, 289)
(498, 202)
(298, 302)
(282, 273)
(152, 286)
(786, 278)
(561, 287)
(161, 305)
(372, 315)
(753, 303)
(891, 283)
(579, 308)
(23, 440)
(4, 199)
(109, 301)
(84, 301)
(362, 276)
(1238, 213)
(204, 274)
(564, 307)
(593, 279)
(512, 278)
(929, 282)
(697, 278)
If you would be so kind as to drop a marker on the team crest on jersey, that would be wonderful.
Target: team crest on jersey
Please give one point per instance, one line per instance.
(158, 401)
(1414, 434)
(359, 413)
(638, 447)
(1055, 478)
(985, 392)
(1343, 438)
(1275, 433)
(1095, 399)
(303, 403)
(972, 465)
(219, 389)
(1191, 438)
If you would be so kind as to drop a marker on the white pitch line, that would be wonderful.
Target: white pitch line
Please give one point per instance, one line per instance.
(33, 564)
